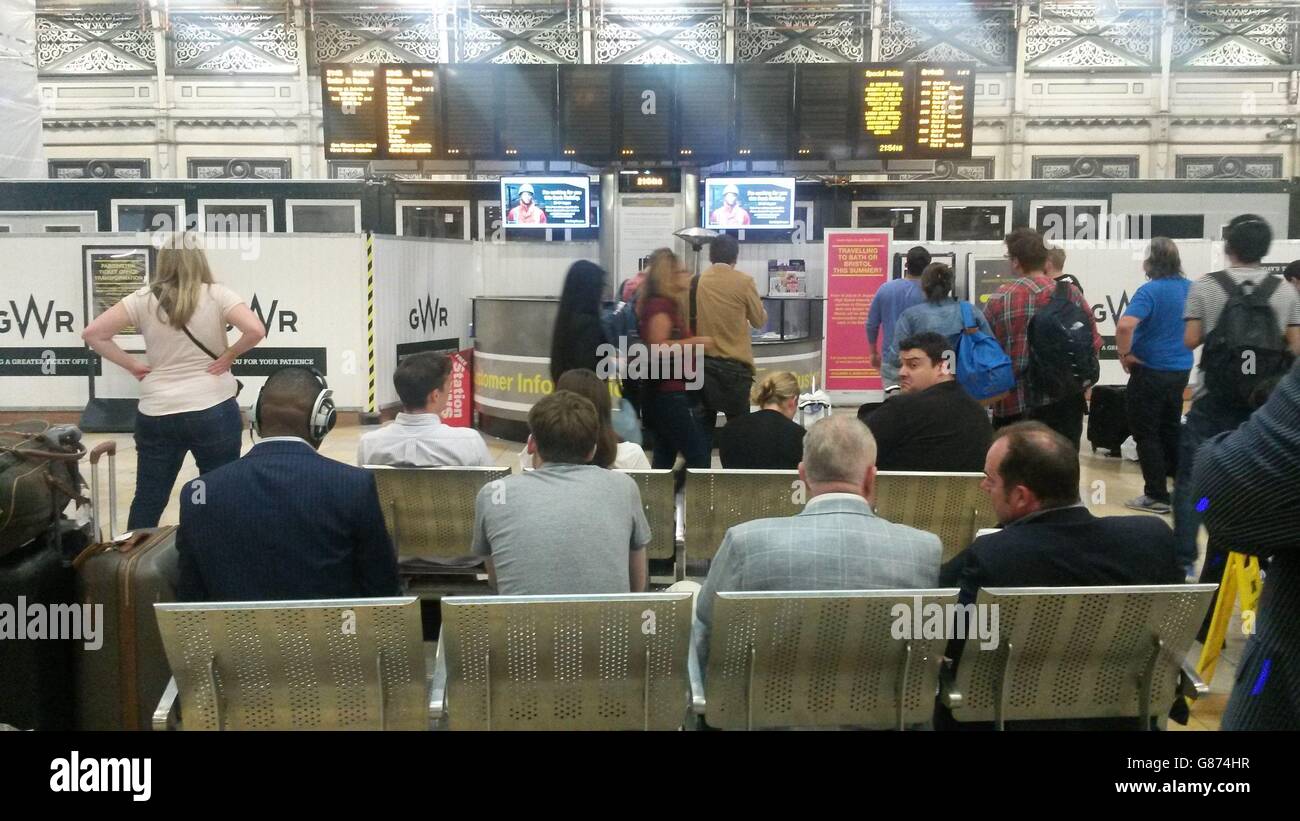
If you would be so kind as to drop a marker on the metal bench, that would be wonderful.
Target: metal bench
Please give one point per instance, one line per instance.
(339, 664)
(719, 499)
(950, 505)
(1080, 652)
(820, 659)
(580, 662)
(429, 512)
(656, 488)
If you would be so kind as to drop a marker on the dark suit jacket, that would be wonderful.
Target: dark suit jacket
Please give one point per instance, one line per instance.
(1248, 479)
(1068, 547)
(284, 523)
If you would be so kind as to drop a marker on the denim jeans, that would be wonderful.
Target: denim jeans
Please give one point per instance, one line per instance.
(161, 443)
(1207, 418)
(1154, 401)
(676, 429)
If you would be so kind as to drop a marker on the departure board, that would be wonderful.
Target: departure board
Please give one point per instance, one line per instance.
(944, 111)
(411, 111)
(470, 110)
(586, 103)
(764, 99)
(915, 111)
(525, 96)
(352, 99)
(647, 113)
(824, 99)
(704, 112)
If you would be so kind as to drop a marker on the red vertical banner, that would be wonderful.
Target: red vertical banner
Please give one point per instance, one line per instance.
(857, 264)
(459, 412)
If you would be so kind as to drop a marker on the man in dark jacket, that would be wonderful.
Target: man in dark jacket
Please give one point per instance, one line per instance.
(1245, 482)
(284, 522)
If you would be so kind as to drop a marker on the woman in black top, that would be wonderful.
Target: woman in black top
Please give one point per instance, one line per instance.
(768, 438)
(578, 329)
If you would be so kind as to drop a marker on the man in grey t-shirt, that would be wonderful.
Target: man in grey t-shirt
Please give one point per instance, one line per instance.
(568, 526)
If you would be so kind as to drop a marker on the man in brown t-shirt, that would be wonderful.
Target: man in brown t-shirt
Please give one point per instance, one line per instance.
(727, 305)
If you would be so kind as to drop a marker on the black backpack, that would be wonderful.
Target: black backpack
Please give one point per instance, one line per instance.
(1062, 359)
(1246, 332)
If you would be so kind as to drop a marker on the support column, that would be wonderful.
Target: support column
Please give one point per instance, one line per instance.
(166, 145)
(877, 23)
(307, 124)
(609, 219)
(587, 16)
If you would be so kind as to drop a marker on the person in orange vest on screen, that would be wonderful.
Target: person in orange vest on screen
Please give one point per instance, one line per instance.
(526, 213)
(731, 214)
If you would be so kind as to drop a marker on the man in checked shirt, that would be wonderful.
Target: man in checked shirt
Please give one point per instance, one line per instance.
(1009, 311)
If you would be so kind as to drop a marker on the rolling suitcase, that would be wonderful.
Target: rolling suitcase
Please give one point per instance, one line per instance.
(1108, 418)
(120, 684)
(36, 691)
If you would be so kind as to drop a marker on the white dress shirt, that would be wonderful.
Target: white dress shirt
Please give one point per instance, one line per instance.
(422, 440)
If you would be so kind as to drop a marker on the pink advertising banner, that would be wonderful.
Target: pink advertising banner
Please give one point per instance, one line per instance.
(857, 264)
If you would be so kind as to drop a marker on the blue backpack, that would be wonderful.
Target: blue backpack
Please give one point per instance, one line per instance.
(983, 368)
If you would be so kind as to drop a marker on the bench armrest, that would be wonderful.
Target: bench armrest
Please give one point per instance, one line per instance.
(165, 714)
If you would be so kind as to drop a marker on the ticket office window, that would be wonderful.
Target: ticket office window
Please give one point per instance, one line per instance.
(972, 221)
(1060, 220)
(433, 219)
(135, 216)
(1173, 226)
(238, 216)
(323, 216)
(908, 219)
(49, 222)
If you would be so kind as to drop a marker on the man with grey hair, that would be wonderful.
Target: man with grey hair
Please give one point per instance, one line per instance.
(836, 542)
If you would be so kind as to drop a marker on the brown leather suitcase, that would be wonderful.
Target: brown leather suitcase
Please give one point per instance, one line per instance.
(120, 684)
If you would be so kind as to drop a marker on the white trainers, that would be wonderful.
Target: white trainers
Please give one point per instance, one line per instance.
(1148, 505)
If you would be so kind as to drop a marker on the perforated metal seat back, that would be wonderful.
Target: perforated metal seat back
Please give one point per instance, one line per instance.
(822, 659)
(344, 664)
(949, 505)
(567, 662)
(1080, 652)
(430, 511)
(719, 499)
(656, 488)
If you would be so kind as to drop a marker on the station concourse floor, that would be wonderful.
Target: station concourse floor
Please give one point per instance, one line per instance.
(1122, 480)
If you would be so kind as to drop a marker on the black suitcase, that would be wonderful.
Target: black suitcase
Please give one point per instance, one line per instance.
(1108, 418)
(36, 684)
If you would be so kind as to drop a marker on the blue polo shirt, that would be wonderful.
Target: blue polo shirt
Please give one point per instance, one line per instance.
(1158, 340)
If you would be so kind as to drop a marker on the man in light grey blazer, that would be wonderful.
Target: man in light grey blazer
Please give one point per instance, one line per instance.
(836, 542)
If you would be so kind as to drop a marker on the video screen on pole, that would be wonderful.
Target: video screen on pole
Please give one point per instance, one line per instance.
(748, 202)
(546, 202)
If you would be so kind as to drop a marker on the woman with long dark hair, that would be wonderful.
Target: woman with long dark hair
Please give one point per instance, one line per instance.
(578, 330)
(941, 312)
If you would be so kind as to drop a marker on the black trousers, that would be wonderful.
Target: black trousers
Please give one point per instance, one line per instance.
(1154, 402)
(1065, 417)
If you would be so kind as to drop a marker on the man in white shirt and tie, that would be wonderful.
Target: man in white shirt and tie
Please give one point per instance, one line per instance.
(418, 437)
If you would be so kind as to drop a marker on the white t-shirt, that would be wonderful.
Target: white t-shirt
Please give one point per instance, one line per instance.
(178, 381)
(630, 457)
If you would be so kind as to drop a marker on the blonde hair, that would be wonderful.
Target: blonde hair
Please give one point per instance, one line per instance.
(1056, 256)
(179, 279)
(663, 264)
(776, 388)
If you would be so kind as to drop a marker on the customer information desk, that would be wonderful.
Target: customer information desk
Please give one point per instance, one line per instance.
(512, 344)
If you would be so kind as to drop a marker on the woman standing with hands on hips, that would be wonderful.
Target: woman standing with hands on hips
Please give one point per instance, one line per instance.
(187, 393)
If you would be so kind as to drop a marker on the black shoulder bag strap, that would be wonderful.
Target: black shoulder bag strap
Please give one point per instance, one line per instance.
(239, 386)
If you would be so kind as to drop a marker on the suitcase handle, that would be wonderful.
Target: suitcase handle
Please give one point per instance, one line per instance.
(109, 447)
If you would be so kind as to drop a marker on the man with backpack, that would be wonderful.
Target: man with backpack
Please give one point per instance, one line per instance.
(1249, 322)
(1048, 330)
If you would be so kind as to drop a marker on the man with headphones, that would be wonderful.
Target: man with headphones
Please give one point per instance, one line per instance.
(284, 522)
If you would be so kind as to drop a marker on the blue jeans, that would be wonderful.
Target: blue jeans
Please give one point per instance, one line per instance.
(161, 443)
(670, 417)
(1206, 419)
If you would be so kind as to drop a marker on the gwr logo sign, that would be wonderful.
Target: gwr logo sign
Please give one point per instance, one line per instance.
(428, 314)
(32, 313)
(288, 320)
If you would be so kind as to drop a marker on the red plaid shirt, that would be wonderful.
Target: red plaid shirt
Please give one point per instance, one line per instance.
(1008, 312)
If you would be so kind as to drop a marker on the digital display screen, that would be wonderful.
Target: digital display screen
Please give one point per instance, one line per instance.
(916, 111)
(748, 202)
(546, 202)
(411, 111)
(351, 101)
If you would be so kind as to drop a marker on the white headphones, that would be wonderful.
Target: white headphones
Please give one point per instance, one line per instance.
(323, 415)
